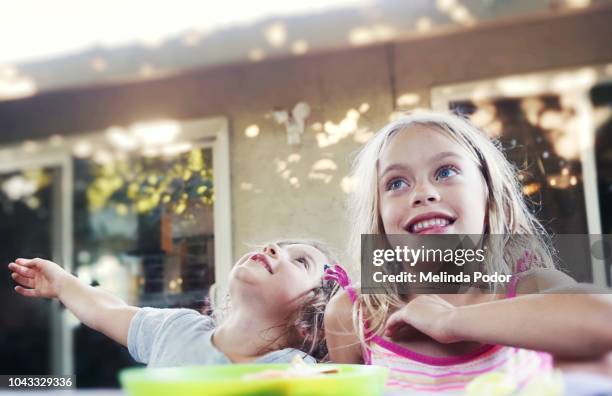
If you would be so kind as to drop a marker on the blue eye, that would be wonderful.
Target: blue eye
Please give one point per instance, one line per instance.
(446, 172)
(396, 184)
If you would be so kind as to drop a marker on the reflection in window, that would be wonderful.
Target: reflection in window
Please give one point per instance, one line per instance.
(144, 231)
(147, 220)
(540, 136)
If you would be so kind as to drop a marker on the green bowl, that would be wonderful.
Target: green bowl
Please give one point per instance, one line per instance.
(223, 380)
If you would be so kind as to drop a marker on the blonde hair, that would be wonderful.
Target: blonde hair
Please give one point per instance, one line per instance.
(507, 214)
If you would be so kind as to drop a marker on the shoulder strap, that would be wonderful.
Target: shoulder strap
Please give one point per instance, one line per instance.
(522, 265)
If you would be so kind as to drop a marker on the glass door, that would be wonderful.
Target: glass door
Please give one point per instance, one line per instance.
(144, 231)
(33, 212)
(142, 211)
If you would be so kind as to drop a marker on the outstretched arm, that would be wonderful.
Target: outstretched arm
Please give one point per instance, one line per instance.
(93, 306)
(568, 325)
(566, 321)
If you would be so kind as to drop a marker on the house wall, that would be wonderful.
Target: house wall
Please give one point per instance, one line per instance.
(265, 204)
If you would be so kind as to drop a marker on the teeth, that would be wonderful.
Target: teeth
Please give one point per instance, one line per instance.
(430, 223)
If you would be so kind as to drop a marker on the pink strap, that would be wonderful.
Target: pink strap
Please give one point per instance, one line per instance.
(435, 360)
(522, 265)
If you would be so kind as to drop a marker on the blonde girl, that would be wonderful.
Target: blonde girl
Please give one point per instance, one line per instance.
(430, 173)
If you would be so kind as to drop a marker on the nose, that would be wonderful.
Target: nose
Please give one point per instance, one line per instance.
(272, 250)
(425, 194)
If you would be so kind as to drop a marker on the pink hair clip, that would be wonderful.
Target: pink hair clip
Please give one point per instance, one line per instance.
(337, 274)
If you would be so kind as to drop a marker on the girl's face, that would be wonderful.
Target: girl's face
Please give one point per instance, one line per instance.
(427, 184)
(277, 277)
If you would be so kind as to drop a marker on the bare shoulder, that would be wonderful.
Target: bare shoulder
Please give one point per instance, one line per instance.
(540, 280)
(339, 313)
(342, 337)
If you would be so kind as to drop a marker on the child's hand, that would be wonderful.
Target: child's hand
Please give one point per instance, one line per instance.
(37, 277)
(429, 314)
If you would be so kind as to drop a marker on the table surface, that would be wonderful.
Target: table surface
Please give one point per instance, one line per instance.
(582, 378)
(581, 384)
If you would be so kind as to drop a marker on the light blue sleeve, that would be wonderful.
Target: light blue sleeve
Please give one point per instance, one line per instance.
(179, 337)
(286, 356)
(153, 331)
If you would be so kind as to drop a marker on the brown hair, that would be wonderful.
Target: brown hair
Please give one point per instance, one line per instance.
(305, 330)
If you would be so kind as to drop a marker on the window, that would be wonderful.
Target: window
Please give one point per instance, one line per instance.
(141, 210)
(547, 125)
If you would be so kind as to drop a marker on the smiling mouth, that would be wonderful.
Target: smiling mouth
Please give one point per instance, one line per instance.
(434, 224)
(263, 260)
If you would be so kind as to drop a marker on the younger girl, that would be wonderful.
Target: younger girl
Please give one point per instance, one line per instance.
(277, 299)
(436, 173)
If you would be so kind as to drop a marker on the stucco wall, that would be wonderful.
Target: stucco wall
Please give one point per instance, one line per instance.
(281, 190)
(265, 204)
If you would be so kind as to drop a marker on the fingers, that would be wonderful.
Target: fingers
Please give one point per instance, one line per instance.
(22, 280)
(23, 273)
(390, 330)
(21, 270)
(25, 292)
(394, 322)
(28, 262)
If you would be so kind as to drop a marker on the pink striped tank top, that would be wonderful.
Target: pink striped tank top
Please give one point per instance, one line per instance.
(414, 373)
